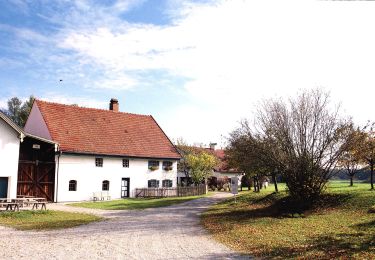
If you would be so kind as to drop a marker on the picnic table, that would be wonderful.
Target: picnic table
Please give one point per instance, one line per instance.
(9, 204)
(15, 204)
(39, 202)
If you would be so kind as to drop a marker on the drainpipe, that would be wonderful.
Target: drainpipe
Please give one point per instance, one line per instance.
(57, 174)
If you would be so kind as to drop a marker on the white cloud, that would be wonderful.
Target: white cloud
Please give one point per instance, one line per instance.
(70, 100)
(3, 103)
(233, 52)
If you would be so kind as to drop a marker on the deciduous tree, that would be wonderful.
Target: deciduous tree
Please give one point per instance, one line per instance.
(301, 138)
(353, 157)
(19, 111)
(201, 165)
(367, 149)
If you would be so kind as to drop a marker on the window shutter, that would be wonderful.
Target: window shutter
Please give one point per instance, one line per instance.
(157, 184)
(149, 184)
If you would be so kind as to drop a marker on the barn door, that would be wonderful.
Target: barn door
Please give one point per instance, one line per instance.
(36, 178)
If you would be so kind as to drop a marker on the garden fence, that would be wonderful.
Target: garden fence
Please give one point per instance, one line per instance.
(170, 192)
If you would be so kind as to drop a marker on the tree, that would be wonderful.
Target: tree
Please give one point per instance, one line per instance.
(246, 152)
(200, 165)
(352, 158)
(367, 149)
(17, 111)
(301, 138)
(184, 149)
(245, 182)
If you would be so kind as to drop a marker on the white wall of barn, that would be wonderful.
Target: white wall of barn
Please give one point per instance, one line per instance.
(89, 177)
(9, 154)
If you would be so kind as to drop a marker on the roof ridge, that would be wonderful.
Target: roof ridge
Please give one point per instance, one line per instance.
(90, 108)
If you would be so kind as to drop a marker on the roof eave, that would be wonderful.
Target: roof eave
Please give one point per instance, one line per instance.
(119, 155)
(13, 125)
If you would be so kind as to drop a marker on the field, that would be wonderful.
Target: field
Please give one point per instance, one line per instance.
(341, 226)
(134, 203)
(44, 220)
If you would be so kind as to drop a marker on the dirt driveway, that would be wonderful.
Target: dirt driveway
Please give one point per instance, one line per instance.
(160, 233)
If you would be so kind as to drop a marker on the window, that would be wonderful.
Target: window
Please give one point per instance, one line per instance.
(125, 163)
(167, 165)
(153, 165)
(99, 162)
(167, 183)
(72, 185)
(105, 185)
(153, 184)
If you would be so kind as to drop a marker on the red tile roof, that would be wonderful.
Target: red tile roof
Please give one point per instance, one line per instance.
(98, 131)
(220, 154)
(223, 165)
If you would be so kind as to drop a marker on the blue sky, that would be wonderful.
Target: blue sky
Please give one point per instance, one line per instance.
(198, 67)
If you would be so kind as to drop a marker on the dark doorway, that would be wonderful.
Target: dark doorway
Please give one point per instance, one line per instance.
(36, 169)
(125, 187)
(3, 187)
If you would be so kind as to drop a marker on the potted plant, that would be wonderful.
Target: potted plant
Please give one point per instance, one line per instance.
(168, 168)
(153, 168)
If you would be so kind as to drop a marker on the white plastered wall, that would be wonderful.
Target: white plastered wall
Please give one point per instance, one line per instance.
(9, 154)
(89, 177)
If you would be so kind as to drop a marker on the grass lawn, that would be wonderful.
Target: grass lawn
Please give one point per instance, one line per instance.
(342, 227)
(44, 220)
(134, 203)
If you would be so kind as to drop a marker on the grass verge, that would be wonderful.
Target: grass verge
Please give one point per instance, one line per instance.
(44, 220)
(339, 227)
(134, 203)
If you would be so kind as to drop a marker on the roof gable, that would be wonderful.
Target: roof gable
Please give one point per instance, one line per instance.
(97, 131)
(14, 126)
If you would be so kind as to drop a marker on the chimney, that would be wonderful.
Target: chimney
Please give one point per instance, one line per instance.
(212, 146)
(113, 105)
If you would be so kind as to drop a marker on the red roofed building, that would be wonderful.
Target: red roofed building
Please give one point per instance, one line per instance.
(104, 150)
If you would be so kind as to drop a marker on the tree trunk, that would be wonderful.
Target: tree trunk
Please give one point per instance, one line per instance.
(372, 174)
(351, 180)
(259, 185)
(256, 184)
(275, 182)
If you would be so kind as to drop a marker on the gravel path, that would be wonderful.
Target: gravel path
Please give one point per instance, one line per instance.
(160, 233)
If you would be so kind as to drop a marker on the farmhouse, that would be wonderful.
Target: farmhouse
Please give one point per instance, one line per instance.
(98, 150)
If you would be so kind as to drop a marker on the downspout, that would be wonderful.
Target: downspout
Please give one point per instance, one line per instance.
(57, 175)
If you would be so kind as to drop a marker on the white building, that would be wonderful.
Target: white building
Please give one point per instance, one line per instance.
(10, 137)
(103, 150)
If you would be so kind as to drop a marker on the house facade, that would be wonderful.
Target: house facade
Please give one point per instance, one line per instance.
(103, 150)
(10, 138)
